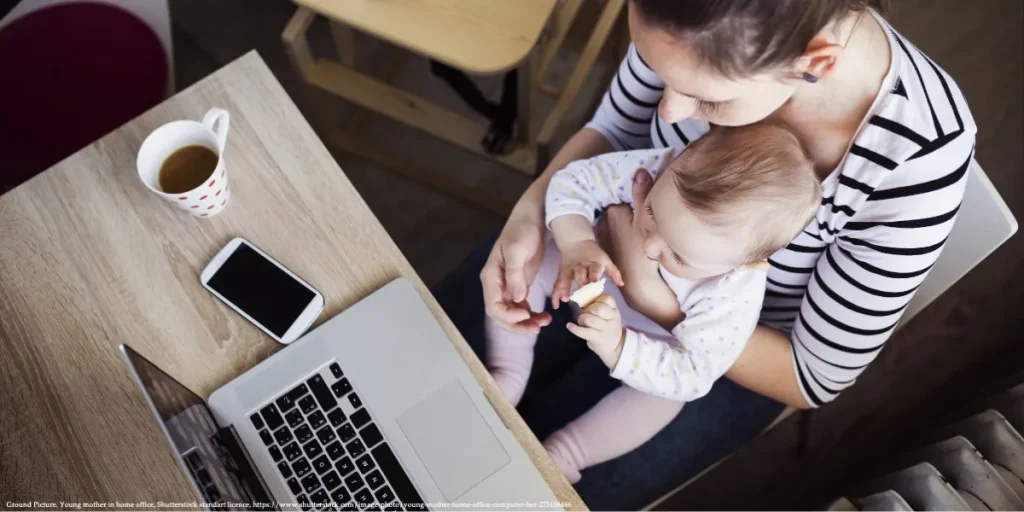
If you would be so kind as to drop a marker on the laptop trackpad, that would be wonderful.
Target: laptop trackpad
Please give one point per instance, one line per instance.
(452, 439)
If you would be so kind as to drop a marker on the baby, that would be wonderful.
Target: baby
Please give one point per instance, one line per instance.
(716, 212)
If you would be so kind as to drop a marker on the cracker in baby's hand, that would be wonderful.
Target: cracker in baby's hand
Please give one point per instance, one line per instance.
(588, 293)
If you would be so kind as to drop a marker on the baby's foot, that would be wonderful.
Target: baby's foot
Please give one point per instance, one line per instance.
(559, 447)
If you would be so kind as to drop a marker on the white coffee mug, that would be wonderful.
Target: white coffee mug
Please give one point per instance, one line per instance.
(209, 197)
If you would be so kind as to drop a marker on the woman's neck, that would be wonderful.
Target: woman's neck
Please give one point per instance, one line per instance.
(858, 72)
(826, 115)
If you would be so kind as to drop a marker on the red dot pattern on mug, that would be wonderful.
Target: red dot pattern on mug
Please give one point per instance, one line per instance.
(212, 198)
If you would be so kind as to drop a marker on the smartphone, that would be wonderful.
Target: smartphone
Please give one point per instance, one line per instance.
(262, 290)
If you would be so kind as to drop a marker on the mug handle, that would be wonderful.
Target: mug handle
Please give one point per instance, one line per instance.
(221, 119)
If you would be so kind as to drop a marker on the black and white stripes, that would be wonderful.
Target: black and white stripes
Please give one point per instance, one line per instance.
(842, 285)
(627, 117)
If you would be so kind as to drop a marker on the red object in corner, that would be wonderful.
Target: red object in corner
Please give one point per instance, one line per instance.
(69, 74)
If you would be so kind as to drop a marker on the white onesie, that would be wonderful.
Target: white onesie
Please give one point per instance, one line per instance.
(721, 312)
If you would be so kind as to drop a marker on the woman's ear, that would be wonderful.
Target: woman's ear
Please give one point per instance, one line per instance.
(819, 59)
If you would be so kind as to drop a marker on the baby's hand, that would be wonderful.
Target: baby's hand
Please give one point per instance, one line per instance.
(584, 262)
(601, 325)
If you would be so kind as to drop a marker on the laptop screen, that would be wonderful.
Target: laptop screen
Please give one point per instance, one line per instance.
(212, 458)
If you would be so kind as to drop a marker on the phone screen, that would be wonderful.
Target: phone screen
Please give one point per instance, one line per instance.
(257, 286)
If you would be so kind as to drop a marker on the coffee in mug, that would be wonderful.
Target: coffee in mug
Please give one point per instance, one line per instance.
(183, 163)
(187, 168)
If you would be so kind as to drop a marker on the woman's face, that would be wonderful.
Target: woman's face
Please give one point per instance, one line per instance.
(694, 89)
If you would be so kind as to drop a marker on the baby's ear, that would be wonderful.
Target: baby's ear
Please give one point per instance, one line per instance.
(760, 265)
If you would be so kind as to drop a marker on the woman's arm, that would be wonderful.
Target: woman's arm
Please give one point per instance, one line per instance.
(859, 285)
(766, 367)
(859, 288)
(625, 114)
(516, 256)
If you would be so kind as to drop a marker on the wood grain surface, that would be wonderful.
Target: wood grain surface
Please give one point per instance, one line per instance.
(472, 35)
(89, 259)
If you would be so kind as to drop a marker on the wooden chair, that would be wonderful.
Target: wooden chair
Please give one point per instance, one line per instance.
(446, 32)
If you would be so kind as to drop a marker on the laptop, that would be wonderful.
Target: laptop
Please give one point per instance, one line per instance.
(374, 409)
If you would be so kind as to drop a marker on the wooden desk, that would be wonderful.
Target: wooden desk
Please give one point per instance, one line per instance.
(89, 258)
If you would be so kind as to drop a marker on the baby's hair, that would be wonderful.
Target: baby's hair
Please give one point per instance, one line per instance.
(756, 177)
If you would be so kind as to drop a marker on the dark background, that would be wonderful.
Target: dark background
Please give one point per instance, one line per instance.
(965, 346)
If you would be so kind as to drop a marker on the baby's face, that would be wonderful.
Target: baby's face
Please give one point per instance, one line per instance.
(677, 239)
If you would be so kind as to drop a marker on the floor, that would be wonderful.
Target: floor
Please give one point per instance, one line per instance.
(964, 345)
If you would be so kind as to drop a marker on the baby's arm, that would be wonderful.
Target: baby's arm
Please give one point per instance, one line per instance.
(586, 186)
(707, 342)
(575, 194)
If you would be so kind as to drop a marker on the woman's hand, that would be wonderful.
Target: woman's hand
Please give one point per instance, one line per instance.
(645, 290)
(517, 255)
(510, 269)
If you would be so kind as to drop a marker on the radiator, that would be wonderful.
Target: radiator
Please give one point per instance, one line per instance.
(976, 463)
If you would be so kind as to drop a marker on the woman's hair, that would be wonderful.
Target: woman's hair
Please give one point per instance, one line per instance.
(743, 37)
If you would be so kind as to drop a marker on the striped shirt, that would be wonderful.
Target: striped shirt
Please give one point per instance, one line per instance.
(840, 288)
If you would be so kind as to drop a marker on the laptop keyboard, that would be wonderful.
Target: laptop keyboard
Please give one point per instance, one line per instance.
(329, 450)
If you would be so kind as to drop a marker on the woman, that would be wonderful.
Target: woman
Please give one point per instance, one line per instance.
(891, 138)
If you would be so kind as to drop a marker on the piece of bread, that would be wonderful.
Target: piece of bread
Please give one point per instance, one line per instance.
(588, 293)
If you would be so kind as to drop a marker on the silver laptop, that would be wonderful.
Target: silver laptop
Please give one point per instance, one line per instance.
(372, 410)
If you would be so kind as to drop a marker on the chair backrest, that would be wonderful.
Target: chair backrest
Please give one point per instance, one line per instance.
(155, 13)
(982, 225)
